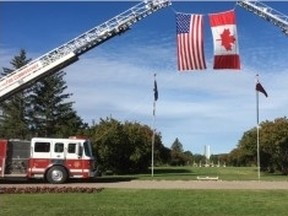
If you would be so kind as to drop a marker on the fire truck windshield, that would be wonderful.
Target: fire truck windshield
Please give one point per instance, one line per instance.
(88, 149)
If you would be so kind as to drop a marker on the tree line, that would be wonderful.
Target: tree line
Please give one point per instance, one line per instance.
(273, 147)
(45, 109)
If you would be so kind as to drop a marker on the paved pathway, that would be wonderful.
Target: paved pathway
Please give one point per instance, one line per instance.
(163, 184)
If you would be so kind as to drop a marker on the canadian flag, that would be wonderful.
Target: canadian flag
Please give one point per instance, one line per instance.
(224, 31)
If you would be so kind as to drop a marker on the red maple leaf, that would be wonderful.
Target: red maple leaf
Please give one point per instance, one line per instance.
(227, 39)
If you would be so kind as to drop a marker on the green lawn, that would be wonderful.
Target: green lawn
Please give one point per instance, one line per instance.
(191, 173)
(130, 202)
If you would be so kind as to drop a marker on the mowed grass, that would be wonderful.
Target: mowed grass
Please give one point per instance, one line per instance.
(131, 202)
(191, 173)
(128, 202)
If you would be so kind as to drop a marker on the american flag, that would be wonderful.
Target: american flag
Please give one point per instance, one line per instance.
(190, 46)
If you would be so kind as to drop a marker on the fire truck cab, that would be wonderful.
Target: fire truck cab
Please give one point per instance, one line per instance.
(53, 159)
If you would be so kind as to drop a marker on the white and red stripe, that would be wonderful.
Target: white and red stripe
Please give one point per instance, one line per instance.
(225, 57)
(190, 47)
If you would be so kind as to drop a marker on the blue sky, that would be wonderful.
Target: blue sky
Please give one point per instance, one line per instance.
(211, 107)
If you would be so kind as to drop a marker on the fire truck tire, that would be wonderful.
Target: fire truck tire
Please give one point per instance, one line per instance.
(57, 175)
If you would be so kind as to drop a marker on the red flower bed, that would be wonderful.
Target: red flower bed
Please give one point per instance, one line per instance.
(25, 190)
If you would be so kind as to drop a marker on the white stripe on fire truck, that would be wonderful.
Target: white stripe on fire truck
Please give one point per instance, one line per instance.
(37, 169)
(38, 175)
(77, 176)
(79, 170)
(71, 170)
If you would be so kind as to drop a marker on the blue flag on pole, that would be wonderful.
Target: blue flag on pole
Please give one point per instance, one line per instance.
(155, 89)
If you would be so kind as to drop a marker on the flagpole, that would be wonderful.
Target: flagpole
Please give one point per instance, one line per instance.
(258, 135)
(259, 88)
(153, 140)
(153, 125)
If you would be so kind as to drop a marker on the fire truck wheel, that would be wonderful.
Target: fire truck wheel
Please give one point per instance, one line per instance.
(57, 175)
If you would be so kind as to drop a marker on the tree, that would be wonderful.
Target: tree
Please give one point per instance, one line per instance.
(199, 159)
(273, 147)
(273, 141)
(110, 144)
(246, 152)
(189, 157)
(177, 146)
(125, 148)
(178, 158)
(139, 137)
(51, 114)
(14, 122)
(42, 109)
(219, 159)
(72, 124)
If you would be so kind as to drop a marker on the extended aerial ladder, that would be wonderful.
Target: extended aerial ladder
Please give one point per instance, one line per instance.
(69, 52)
(269, 14)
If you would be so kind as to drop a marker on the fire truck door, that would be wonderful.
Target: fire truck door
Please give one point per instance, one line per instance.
(58, 152)
(74, 157)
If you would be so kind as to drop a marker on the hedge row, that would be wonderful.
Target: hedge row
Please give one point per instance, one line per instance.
(30, 190)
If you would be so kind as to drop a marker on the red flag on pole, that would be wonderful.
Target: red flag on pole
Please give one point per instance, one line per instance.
(260, 88)
(224, 31)
(190, 45)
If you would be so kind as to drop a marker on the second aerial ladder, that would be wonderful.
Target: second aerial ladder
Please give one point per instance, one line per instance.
(269, 14)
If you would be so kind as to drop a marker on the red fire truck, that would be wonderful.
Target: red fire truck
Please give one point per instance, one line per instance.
(53, 159)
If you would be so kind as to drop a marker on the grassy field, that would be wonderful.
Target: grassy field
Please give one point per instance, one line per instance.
(191, 173)
(129, 202)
